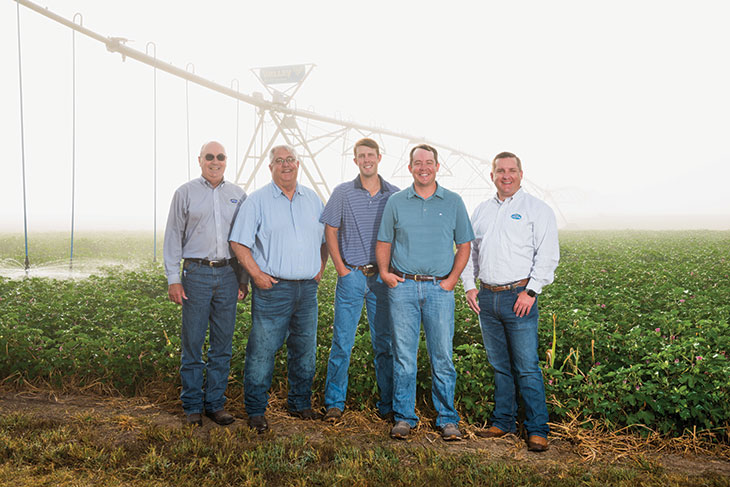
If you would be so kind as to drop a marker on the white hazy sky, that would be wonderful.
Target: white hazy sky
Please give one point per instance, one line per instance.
(620, 109)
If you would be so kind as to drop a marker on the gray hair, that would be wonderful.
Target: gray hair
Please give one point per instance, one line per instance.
(287, 148)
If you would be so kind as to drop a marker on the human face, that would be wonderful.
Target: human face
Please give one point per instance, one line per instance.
(507, 177)
(367, 160)
(423, 167)
(212, 170)
(284, 173)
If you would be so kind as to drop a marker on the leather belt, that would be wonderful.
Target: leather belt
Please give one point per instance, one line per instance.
(210, 263)
(506, 287)
(417, 277)
(368, 270)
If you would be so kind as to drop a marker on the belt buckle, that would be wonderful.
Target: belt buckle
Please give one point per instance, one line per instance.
(368, 270)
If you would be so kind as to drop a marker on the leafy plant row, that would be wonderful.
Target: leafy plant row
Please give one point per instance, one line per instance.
(634, 330)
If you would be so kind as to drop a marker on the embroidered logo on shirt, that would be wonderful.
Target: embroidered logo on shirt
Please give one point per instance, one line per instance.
(516, 216)
(233, 200)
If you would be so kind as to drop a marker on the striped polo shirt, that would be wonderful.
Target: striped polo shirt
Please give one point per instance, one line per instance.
(357, 216)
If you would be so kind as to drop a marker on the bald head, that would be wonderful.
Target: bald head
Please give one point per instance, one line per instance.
(212, 162)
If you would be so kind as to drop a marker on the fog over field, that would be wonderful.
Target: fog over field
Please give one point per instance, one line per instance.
(619, 110)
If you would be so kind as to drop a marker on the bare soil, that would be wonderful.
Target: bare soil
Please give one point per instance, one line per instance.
(120, 417)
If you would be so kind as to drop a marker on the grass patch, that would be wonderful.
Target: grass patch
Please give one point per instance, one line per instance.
(37, 451)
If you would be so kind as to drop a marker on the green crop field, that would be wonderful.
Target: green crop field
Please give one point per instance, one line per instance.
(634, 330)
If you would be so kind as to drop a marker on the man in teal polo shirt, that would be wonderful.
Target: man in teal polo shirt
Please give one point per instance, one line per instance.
(415, 255)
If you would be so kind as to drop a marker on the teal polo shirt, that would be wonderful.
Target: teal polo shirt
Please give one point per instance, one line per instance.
(422, 232)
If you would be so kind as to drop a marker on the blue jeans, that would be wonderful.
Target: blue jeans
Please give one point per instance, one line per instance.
(212, 294)
(511, 345)
(349, 295)
(287, 311)
(413, 303)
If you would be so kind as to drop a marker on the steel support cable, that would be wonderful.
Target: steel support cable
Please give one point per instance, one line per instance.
(73, 135)
(154, 149)
(187, 113)
(22, 145)
(237, 102)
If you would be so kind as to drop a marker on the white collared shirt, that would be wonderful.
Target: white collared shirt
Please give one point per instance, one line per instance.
(515, 238)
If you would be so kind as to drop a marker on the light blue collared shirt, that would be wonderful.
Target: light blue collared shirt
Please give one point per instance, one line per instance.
(284, 236)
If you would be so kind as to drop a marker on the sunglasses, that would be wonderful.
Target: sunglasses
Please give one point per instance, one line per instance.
(220, 157)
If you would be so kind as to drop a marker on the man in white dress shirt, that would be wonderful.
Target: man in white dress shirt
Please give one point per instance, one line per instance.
(514, 255)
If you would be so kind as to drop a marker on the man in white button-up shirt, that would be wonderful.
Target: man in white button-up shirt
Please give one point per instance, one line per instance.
(514, 255)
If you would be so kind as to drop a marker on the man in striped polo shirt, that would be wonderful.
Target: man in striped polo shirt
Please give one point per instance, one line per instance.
(352, 217)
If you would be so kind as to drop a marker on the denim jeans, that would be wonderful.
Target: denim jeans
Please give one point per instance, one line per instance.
(212, 294)
(511, 345)
(287, 311)
(351, 290)
(413, 303)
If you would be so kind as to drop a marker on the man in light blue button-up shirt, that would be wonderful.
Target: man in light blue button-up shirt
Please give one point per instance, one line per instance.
(197, 231)
(279, 240)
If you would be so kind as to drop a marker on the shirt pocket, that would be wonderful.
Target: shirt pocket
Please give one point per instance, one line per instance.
(519, 231)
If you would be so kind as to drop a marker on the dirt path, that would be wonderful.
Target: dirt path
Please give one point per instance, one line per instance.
(121, 417)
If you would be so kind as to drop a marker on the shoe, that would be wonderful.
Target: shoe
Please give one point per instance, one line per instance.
(491, 432)
(537, 443)
(308, 414)
(450, 432)
(332, 415)
(195, 419)
(388, 417)
(400, 430)
(258, 423)
(221, 417)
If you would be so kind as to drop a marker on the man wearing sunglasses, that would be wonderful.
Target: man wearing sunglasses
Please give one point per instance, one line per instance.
(198, 225)
(279, 240)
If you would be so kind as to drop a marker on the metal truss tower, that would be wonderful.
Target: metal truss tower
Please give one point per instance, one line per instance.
(470, 172)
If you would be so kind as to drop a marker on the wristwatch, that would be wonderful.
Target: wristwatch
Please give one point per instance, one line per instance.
(531, 293)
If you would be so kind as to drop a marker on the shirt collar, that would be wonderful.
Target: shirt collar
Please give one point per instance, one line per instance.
(411, 192)
(276, 191)
(358, 183)
(519, 194)
(206, 183)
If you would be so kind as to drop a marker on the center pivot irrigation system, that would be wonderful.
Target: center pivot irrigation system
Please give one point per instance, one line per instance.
(278, 120)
